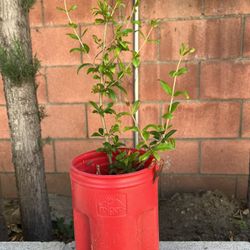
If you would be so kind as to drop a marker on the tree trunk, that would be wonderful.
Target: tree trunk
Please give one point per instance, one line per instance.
(24, 123)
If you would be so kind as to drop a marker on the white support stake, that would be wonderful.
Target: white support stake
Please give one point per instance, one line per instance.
(136, 70)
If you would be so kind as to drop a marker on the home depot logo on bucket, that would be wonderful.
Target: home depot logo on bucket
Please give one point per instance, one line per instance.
(112, 205)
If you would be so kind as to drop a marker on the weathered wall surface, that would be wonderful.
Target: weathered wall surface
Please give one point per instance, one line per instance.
(213, 144)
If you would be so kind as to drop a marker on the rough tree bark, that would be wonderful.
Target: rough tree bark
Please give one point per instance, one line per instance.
(24, 124)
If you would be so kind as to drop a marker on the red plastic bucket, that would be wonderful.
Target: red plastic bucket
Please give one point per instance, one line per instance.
(113, 212)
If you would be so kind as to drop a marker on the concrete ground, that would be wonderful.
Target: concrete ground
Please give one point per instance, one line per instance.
(169, 245)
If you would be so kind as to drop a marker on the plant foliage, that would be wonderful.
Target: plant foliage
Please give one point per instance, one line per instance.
(15, 65)
(27, 4)
(109, 71)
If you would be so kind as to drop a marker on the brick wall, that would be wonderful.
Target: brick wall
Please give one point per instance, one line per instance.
(213, 126)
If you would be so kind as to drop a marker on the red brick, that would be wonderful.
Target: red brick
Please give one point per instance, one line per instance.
(6, 157)
(64, 122)
(128, 84)
(150, 88)
(171, 184)
(207, 120)
(225, 157)
(49, 161)
(67, 150)
(82, 14)
(8, 186)
(184, 159)
(170, 9)
(213, 38)
(58, 184)
(94, 121)
(149, 49)
(215, 7)
(224, 80)
(246, 46)
(65, 85)
(242, 186)
(52, 46)
(149, 113)
(2, 98)
(36, 14)
(246, 120)
(4, 127)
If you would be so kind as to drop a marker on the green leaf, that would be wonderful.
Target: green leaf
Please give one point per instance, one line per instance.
(99, 21)
(95, 134)
(170, 133)
(166, 87)
(121, 114)
(146, 135)
(85, 47)
(90, 70)
(136, 106)
(136, 60)
(179, 72)
(156, 134)
(83, 33)
(96, 77)
(182, 49)
(137, 3)
(73, 36)
(156, 41)
(61, 9)
(111, 94)
(132, 128)
(168, 116)
(183, 93)
(174, 107)
(117, 51)
(82, 66)
(151, 126)
(140, 145)
(120, 74)
(115, 128)
(96, 39)
(138, 22)
(73, 25)
(123, 45)
(185, 50)
(94, 104)
(145, 156)
(73, 7)
(156, 156)
(164, 146)
(154, 23)
(75, 50)
(126, 31)
(101, 131)
(122, 89)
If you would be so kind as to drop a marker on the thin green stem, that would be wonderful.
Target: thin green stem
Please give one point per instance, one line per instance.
(139, 130)
(172, 96)
(74, 29)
